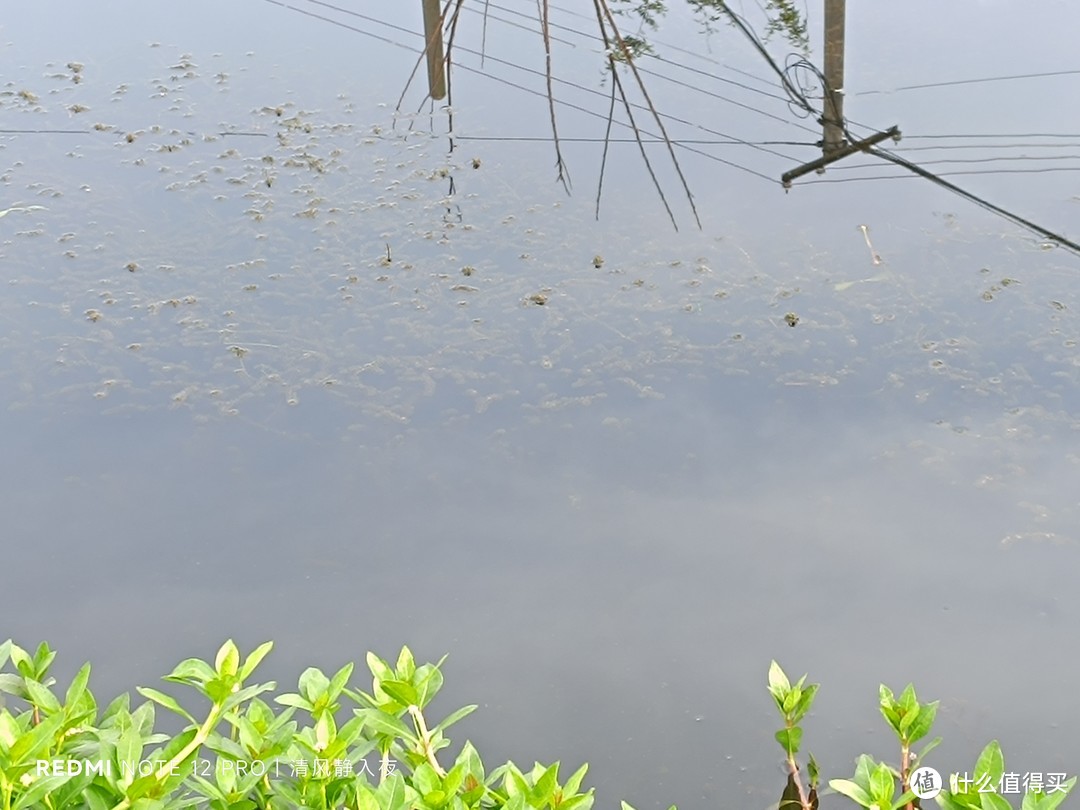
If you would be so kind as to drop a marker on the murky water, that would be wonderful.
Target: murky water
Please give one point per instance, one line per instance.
(266, 378)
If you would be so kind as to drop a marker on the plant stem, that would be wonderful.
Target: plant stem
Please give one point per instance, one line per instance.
(905, 768)
(384, 766)
(200, 737)
(793, 768)
(425, 740)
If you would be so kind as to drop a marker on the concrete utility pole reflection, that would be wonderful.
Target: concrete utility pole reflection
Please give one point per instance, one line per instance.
(435, 61)
(834, 144)
(834, 77)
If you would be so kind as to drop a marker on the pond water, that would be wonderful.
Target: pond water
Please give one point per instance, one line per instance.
(266, 378)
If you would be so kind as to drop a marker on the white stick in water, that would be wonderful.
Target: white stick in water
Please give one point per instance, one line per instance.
(873, 253)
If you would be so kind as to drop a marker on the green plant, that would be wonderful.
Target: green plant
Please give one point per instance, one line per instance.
(910, 721)
(879, 786)
(989, 780)
(793, 701)
(241, 754)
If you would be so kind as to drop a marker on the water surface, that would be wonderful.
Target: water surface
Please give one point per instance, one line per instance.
(266, 378)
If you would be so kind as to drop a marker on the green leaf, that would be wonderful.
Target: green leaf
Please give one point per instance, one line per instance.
(209, 789)
(789, 739)
(115, 710)
(143, 719)
(544, 787)
(351, 731)
(401, 691)
(889, 708)
(227, 662)
(21, 659)
(582, 802)
(436, 798)
(380, 670)
(930, 746)
(963, 799)
(34, 743)
(255, 659)
(313, 684)
(514, 782)
(129, 753)
(226, 747)
(1050, 801)
(191, 671)
(453, 717)
(864, 766)
(994, 801)
(906, 720)
(429, 681)
(383, 723)
(167, 701)
(779, 685)
(226, 777)
(922, 725)
(219, 689)
(805, 702)
(425, 780)
(960, 796)
(247, 693)
(365, 798)
(294, 700)
(406, 666)
(41, 789)
(573, 784)
(848, 788)
(9, 730)
(12, 684)
(337, 683)
(42, 697)
(882, 786)
(97, 798)
(77, 688)
(991, 762)
(43, 658)
(791, 700)
(391, 793)
(908, 701)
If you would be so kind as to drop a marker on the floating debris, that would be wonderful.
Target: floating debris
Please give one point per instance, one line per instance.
(19, 209)
(874, 257)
